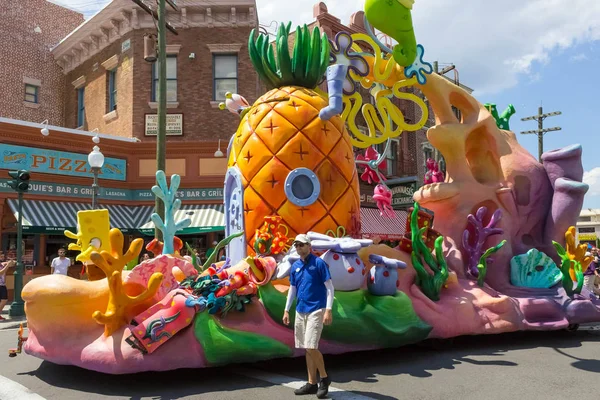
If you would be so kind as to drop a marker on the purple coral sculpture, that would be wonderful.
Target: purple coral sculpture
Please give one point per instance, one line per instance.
(475, 250)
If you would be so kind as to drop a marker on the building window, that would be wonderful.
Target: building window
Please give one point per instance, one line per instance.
(587, 230)
(225, 75)
(112, 90)
(80, 106)
(585, 219)
(171, 79)
(427, 154)
(32, 93)
(391, 157)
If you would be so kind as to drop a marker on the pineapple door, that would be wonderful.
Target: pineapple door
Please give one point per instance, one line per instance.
(234, 214)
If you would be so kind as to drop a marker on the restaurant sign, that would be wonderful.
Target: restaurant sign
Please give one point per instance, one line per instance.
(402, 195)
(58, 162)
(174, 124)
(56, 189)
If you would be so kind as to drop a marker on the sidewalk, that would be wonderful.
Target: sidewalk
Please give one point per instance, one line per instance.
(11, 322)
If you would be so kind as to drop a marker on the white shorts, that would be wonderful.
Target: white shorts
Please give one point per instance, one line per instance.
(308, 328)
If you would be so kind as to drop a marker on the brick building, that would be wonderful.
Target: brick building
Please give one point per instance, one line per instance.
(110, 87)
(103, 86)
(31, 83)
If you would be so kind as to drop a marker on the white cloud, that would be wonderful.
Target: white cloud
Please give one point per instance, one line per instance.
(578, 57)
(86, 7)
(592, 178)
(492, 43)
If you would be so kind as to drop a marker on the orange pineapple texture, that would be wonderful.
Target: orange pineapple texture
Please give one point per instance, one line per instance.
(281, 132)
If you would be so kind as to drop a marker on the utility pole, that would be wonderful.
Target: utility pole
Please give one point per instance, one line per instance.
(541, 131)
(161, 138)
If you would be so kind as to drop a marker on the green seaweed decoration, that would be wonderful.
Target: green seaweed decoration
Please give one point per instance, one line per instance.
(305, 68)
(430, 285)
(565, 267)
(193, 256)
(482, 266)
(502, 120)
(213, 257)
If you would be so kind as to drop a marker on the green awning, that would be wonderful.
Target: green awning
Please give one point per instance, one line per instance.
(53, 217)
(205, 218)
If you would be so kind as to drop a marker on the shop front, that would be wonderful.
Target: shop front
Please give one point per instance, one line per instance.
(373, 224)
(61, 185)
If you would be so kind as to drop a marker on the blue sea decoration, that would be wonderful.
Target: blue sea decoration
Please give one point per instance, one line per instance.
(534, 270)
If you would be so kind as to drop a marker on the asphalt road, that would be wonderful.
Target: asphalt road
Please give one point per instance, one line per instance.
(532, 365)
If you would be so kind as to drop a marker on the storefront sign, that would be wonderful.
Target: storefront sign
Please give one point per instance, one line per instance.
(183, 194)
(55, 189)
(174, 124)
(587, 236)
(402, 195)
(58, 162)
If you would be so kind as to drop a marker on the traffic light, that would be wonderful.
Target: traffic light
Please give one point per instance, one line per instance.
(20, 181)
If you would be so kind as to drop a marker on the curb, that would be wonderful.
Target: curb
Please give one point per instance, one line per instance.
(12, 324)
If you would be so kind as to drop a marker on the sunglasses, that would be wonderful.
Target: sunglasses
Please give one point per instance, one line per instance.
(298, 244)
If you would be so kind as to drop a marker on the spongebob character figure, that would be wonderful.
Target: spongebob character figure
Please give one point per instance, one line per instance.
(92, 235)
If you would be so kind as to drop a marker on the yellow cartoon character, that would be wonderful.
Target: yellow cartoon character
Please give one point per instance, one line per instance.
(93, 227)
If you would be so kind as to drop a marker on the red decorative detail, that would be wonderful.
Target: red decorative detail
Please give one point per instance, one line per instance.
(350, 270)
(372, 279)
(364, 271)
(368, 174)
(386, 273)
(358, 261)
(433, 173)
(336, 257)
(398, 283)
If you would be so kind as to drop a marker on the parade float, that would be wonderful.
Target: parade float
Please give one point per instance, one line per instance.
(501, 256)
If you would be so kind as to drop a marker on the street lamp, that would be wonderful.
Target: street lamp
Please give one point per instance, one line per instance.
(20, 184)
(219, 153)
(96, 161)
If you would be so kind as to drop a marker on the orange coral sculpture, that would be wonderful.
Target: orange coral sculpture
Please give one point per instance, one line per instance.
(119, 303)
(576, 253)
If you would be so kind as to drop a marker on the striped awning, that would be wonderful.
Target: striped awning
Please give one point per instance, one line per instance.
(53, 216)
(373, 224)
(205, 218)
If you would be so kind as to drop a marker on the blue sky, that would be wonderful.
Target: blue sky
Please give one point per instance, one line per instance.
(528, 53)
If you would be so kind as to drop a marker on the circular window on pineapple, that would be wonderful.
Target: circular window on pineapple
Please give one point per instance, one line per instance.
(302, 187)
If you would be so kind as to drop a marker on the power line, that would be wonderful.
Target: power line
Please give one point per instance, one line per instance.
(540, 117)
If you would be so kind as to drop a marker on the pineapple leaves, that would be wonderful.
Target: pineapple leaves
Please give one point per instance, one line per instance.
(283, 53)
(306, 67)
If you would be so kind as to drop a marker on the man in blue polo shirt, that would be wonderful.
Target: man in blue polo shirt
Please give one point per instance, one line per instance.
(311, 286)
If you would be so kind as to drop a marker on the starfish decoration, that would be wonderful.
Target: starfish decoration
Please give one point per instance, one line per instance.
(419, 68)
(370, 174)
(342, 54)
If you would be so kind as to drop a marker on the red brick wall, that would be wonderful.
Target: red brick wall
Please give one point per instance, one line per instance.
(202, 121)
(96, 84)
(23, 52)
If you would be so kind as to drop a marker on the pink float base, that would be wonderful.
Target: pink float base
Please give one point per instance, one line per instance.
(91, 350)
(113, 355)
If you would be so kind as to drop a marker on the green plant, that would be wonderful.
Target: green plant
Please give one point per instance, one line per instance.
(565, 267)
(213, 257)
(192, 254)
(482, 266)
(305, 68)
(430, 285)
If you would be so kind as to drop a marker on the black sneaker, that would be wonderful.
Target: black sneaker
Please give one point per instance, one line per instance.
(307, 389)
(324, 387)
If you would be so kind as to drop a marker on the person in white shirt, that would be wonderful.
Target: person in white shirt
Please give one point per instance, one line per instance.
(60, 265)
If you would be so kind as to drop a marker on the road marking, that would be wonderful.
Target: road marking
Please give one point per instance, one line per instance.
(293, 383)
(11, 390)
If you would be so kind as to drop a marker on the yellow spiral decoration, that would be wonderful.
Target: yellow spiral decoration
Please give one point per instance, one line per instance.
(384, 119)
